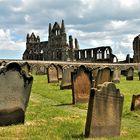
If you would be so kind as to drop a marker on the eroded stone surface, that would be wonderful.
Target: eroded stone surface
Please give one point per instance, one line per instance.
(15, 88)
(52, 73)
(104, 111)
(81, 84)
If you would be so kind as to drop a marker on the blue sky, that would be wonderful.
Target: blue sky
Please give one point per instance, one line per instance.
(94, 23)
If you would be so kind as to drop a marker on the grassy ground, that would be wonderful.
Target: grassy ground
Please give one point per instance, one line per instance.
(51, 116)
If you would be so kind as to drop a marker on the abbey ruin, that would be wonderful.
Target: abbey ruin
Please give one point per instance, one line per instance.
(58, 49)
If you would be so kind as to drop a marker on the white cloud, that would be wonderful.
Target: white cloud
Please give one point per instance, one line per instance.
(94, 22)
(6, 43)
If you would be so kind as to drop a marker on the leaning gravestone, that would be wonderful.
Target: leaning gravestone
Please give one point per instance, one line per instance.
(15, 88)
(52, 73)
(116, 75)
(66, 77)
(135, 104)
(104, 75)
(130, 72)
(104, 111)
(81, 84)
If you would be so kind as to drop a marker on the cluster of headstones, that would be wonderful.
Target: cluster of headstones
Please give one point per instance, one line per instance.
(97, 87)
(15, 89)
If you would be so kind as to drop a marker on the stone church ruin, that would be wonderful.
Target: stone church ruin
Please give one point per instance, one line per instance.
(58, 49)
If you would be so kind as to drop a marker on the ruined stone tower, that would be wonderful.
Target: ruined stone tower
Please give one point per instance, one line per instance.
(56, 48)
(136, 49)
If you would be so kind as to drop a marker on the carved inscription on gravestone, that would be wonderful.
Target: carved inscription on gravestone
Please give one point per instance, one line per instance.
(104, 111)
(52, 73)
(81, 84)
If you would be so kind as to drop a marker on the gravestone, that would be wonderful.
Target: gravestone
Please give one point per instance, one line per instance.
(52, 73)
(116, 75)
(135, 104)
(130, 72)
(81, 84)
(139, 75)
(15, 89)
(104, 75)
(60, 71)
(104, 111)
(66, 77)
(34, 69)
(42, 70)
(94, 75)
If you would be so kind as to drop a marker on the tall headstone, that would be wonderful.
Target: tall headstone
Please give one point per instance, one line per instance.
(52, 73)
(135, 104)
(81, 84)
(130, 73)
(104, 111)
(66, 77)
(15, 89)
(104, 75)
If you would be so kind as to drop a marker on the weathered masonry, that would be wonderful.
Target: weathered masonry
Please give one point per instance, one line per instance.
(57, 48)
(136, 49)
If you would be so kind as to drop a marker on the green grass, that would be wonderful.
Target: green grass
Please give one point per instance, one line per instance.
(52, 116)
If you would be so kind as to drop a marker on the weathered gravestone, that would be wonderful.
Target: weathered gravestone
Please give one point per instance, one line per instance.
(66, 77)
(52, 73)
(42, 70)
(94, 74)
(135, 104)
(104, 111)
(104, 75)
(60, 71)
(81, 84)
(34, 69)
(139, 74)
(15, 88)
(116, 75)
(26, 67)
(130, 72)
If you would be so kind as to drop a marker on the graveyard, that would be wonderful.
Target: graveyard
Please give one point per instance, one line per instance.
(51, 113)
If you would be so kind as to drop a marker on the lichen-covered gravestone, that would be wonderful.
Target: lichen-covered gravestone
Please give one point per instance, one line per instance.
(52, 73)
(135, 104)
(15, 88)
(104, 75)
(116, 75)
(81, 84)
(66, 77)
(104, 111)
(130, 72)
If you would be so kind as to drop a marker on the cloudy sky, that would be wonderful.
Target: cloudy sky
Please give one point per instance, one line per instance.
(94, 23)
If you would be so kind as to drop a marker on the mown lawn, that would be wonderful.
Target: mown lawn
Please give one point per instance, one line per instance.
(51, 116)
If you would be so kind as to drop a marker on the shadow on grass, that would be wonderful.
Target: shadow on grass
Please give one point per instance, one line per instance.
(63, 104)
(78, 136)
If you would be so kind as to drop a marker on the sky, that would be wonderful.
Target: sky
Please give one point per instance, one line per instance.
(94, 23)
